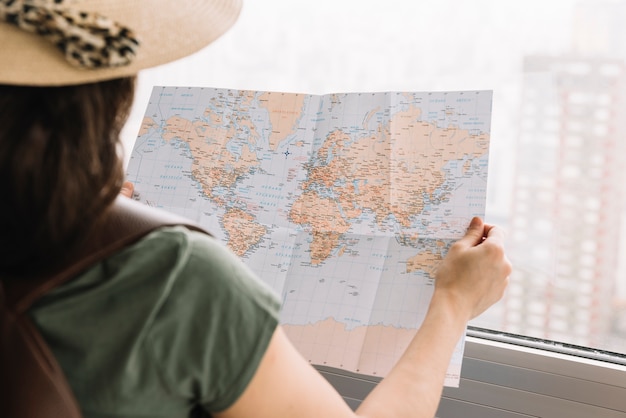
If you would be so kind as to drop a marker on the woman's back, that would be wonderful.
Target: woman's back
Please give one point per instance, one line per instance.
(173, 319)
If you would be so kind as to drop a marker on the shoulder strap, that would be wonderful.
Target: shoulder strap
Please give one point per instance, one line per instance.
(32, 385)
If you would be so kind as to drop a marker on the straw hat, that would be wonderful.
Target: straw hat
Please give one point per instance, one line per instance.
(64, 42)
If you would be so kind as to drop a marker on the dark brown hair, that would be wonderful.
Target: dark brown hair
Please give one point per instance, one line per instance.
(60, 164)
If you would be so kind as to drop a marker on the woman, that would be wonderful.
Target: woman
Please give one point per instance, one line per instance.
(174, 323)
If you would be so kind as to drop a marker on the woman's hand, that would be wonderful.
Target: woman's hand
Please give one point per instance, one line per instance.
(475, 272)
(127, 189)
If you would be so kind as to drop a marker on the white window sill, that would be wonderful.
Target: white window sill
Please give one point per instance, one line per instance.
(504, 379)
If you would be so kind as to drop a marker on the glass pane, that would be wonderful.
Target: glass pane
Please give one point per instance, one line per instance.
(558, 145)
(566, 208)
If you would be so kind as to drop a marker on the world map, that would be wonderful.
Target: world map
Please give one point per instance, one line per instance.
(343, 203)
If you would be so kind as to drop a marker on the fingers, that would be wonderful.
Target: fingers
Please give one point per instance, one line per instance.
(478, 231)
(494, 233)
(127, 189)
(475, 271)
(474, 234)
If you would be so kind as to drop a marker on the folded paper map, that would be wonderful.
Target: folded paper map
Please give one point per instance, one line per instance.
(342, 203)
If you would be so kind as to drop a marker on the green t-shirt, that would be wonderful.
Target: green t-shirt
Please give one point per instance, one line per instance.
(173, 321)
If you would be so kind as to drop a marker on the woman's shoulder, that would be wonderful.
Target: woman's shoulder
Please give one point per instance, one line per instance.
(191, 256)
(188, 248)
(172, 258)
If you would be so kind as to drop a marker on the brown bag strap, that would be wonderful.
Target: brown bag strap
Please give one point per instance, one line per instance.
(126, 222)
(32, 385)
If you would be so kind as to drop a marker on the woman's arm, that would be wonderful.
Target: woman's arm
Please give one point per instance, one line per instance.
(471, 278)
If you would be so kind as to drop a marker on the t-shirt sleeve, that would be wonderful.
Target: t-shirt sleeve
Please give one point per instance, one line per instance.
(213, 325)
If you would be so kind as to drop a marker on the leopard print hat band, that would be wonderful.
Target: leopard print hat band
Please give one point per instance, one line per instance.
(88, 40)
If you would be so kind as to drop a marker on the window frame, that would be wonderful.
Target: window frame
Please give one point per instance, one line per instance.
(516, 377)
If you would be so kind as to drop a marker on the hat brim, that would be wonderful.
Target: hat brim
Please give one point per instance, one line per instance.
(167, 30)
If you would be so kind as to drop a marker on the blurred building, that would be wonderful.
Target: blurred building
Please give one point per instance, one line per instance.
(568, 217)
(568, 201)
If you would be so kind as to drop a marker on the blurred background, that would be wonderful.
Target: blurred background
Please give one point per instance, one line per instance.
(557, 69)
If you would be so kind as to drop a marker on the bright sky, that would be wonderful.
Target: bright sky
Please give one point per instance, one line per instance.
(363, 45)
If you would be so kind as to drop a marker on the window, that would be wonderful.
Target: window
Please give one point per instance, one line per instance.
(558, 137)
(558, 142)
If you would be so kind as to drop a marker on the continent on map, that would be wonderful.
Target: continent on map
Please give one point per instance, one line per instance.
(214, 164)
(243, 231)
(325, 219)
(284, 112)
(424, 261)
